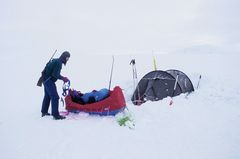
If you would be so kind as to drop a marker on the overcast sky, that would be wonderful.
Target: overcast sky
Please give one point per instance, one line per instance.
(123, 25)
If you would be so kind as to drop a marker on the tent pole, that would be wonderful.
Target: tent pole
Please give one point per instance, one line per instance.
(175, 86)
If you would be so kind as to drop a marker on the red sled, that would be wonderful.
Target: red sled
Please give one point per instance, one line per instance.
(111, 105)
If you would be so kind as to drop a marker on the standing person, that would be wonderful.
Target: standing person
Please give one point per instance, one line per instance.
(50, 75)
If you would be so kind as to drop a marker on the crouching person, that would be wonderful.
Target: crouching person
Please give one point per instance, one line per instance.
(51, 74)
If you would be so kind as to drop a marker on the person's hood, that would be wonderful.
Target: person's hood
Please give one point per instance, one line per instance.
(64, 57)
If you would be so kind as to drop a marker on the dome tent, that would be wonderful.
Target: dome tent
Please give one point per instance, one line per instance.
(157, 85)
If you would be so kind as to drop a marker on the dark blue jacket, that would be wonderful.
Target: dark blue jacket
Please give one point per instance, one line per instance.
(53, 70)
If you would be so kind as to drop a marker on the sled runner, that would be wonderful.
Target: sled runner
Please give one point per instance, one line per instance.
(111, 105)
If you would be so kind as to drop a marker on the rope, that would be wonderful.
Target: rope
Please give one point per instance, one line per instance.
(66, 88)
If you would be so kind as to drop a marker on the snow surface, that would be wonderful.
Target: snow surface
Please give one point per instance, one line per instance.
(206, 125)
(199, 37)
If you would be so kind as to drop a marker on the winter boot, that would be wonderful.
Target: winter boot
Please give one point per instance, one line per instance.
(45, 114)
(59, 117)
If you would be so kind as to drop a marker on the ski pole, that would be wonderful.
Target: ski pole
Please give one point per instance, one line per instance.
(132, 62)
(111, 74)
(137, 87)
(135, 81)
(199, 81)
(134, 74)
(196, 87)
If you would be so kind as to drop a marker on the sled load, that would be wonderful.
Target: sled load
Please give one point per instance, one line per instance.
(157, 85)
(102, 102)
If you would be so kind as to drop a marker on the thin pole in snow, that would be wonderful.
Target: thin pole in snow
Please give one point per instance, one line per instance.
(110, 81)
(199, 81)
(154, 62)
(175, 86)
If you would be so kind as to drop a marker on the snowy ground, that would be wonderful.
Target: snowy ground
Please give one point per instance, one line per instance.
(204, 126)
(196, 37)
